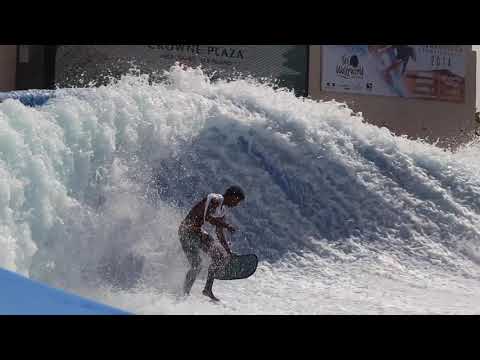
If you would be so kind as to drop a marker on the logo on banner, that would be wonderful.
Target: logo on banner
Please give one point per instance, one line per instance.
(350, 68)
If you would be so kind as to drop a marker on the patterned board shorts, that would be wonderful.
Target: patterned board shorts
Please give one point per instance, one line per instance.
(192, 242)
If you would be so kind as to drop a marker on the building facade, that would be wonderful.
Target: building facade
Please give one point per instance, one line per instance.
(444, 113)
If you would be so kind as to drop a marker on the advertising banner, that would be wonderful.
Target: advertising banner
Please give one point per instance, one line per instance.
(434, 72)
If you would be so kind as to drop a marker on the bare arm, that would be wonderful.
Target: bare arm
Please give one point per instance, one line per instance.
(221, 237)
(217, 222)
(220, 224)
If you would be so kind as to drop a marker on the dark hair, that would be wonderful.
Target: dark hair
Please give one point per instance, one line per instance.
(235, 191)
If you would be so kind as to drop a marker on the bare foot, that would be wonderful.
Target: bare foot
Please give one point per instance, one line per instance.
(210, 295)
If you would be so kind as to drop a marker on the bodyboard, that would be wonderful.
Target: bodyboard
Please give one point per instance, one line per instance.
(239, 267)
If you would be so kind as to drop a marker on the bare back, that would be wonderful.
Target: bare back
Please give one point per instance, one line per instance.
(195, 218)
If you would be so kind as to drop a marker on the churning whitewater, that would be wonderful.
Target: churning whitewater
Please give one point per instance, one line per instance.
(345, 217)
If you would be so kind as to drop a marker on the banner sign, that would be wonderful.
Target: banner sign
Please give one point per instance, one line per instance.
(287, 64)
(435, 72)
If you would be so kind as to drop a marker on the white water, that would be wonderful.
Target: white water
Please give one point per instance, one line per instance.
(345, 217)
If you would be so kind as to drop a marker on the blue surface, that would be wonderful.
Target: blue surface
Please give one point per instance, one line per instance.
(21, 296)
(29, 97)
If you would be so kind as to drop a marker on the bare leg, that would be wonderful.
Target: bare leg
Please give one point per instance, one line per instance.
(209, 284)
(190, 279)
(217, 261)
(387, 73)
(195, 267)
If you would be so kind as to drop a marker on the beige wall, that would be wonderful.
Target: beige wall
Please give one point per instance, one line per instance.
(8, 60)
(449, 122)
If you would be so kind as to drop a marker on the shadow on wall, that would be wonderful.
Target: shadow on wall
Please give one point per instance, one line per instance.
(477, 123)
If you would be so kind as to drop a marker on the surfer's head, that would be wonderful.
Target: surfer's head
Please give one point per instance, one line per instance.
(233, 196)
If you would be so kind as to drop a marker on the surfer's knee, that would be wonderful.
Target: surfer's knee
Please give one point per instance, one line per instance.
(218, 256)
(196, 267)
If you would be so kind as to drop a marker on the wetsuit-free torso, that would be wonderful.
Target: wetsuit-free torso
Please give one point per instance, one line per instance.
(193, 231)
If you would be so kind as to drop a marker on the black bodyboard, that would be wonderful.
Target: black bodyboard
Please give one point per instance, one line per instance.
(239, 267)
